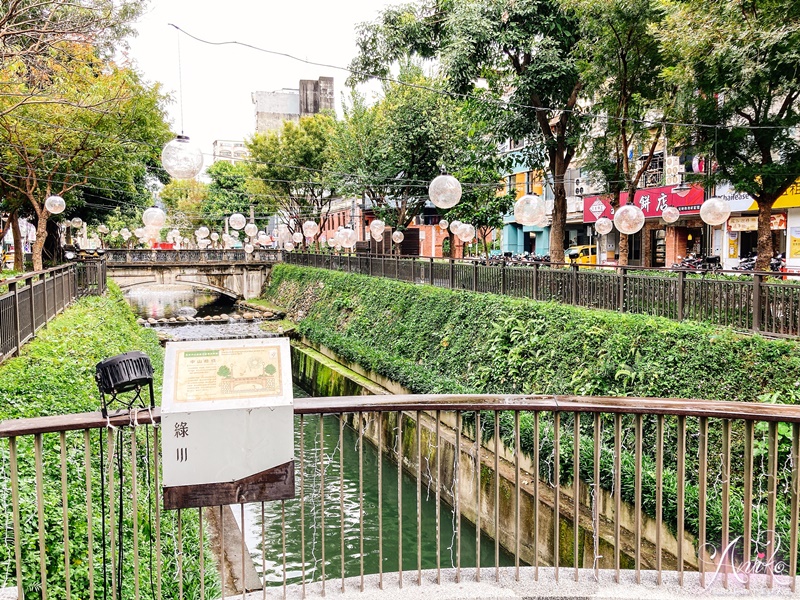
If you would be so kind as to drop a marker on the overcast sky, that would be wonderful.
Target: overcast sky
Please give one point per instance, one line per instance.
(218, 81)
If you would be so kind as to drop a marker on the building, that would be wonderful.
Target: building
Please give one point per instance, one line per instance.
(289, 104)
(231, 151)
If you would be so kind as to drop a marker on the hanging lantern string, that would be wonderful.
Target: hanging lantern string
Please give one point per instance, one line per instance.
(180, 79)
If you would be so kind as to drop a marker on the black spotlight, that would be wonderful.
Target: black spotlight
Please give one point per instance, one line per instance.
(121, 374)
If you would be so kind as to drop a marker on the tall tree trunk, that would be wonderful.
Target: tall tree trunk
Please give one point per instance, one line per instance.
(623, 250)
(764, 234)
(38, 245)
(558, 227)
(19, 251)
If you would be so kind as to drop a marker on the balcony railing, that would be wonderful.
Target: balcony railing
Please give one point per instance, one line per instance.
(639, 490)
(34, 299)
(758, 302)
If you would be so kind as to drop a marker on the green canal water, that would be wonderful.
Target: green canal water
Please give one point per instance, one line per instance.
(346, 488)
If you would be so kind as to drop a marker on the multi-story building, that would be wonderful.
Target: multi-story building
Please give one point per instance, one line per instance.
(289, 104)
(231, 151)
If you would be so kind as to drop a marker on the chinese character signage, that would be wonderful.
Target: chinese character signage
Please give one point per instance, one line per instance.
(652, 201)
(228, 420)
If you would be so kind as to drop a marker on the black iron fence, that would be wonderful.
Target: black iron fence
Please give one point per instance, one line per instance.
(34, 299)
(758, 302)
(191, 256)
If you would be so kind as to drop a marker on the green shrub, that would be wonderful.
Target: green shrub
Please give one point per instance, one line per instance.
(433, 340)
(55, 375)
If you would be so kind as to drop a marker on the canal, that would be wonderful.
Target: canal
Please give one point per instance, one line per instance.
(327, 490)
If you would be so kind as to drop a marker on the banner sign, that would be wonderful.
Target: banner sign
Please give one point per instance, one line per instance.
(652, 201)
(776, 222)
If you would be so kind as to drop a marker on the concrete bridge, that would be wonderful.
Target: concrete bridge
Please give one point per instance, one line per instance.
(233, 273)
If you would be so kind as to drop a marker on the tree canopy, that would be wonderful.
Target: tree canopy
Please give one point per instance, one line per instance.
(102, 137)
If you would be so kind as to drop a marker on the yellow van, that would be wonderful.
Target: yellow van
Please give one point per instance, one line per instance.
(587, 255)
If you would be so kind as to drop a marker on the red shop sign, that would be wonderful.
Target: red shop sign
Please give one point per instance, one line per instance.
(652, 201)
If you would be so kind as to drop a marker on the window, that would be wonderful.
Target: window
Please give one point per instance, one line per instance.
(529, 182)
(511, 184)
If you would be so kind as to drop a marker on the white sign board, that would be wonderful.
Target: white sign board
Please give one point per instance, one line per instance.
(226, 411)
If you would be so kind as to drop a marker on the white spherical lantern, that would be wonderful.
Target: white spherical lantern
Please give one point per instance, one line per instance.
(237, 221)
(332, 241)
(670, 214)
(297, 237)
(376, 236)
(181, 158)
(234, 235)
(154, 217)
(629, 219)
(466, 232)
(398, 237)
(152, 233)
(248, 248)
(102, 228)
(443, 224)
(715, 211)
(202, 232)
(251, 229)
(603, 226)
(377, 228)
(76, 222)
(55, 205)
(347, 238)
(530, 210)
(288, 246)
(114, 233)
(139, 232)
(215, 236)
(310, 229)
(445, 191)
(454, 225)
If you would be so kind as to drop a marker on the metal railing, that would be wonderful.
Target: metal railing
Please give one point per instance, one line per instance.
(123, 256)
(87, 519)
(758, 302)
(34, 299)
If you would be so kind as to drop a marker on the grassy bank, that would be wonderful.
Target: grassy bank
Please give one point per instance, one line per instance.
(434, 340)
(440, 341)
(55, 375)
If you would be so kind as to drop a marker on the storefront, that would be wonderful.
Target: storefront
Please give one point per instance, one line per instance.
(658, 244)
(741, 230)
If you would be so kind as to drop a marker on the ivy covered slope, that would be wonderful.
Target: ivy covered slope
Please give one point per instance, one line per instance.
(55, 373)
(440, 341)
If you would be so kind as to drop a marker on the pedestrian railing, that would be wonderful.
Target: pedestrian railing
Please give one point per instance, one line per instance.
(673, 492)
(759, 302)
(116, 256)
(34, 299)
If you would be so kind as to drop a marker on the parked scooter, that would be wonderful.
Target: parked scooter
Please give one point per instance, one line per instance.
(699, 264)
(776, 264)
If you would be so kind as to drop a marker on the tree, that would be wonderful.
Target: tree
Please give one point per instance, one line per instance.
(292, 168)
(108, 127)
(620, 63)
(521, 49)
(33, 33)
(232, 190)
(738, 63)
(186, 197)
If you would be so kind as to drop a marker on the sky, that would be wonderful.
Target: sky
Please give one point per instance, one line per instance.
(218, 80)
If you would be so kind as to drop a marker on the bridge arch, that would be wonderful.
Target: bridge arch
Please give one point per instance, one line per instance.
(189, 284)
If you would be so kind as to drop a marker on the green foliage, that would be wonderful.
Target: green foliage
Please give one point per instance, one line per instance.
(229, 191)
(55, 375)
(481, 343)
(432, 340)
(289, 167)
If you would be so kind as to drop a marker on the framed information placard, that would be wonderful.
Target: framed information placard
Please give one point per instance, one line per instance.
(227, 422)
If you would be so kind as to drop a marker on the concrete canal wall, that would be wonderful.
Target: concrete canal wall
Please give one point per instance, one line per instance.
(324, 374)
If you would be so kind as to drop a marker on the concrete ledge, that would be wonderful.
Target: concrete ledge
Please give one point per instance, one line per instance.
(528, 587)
